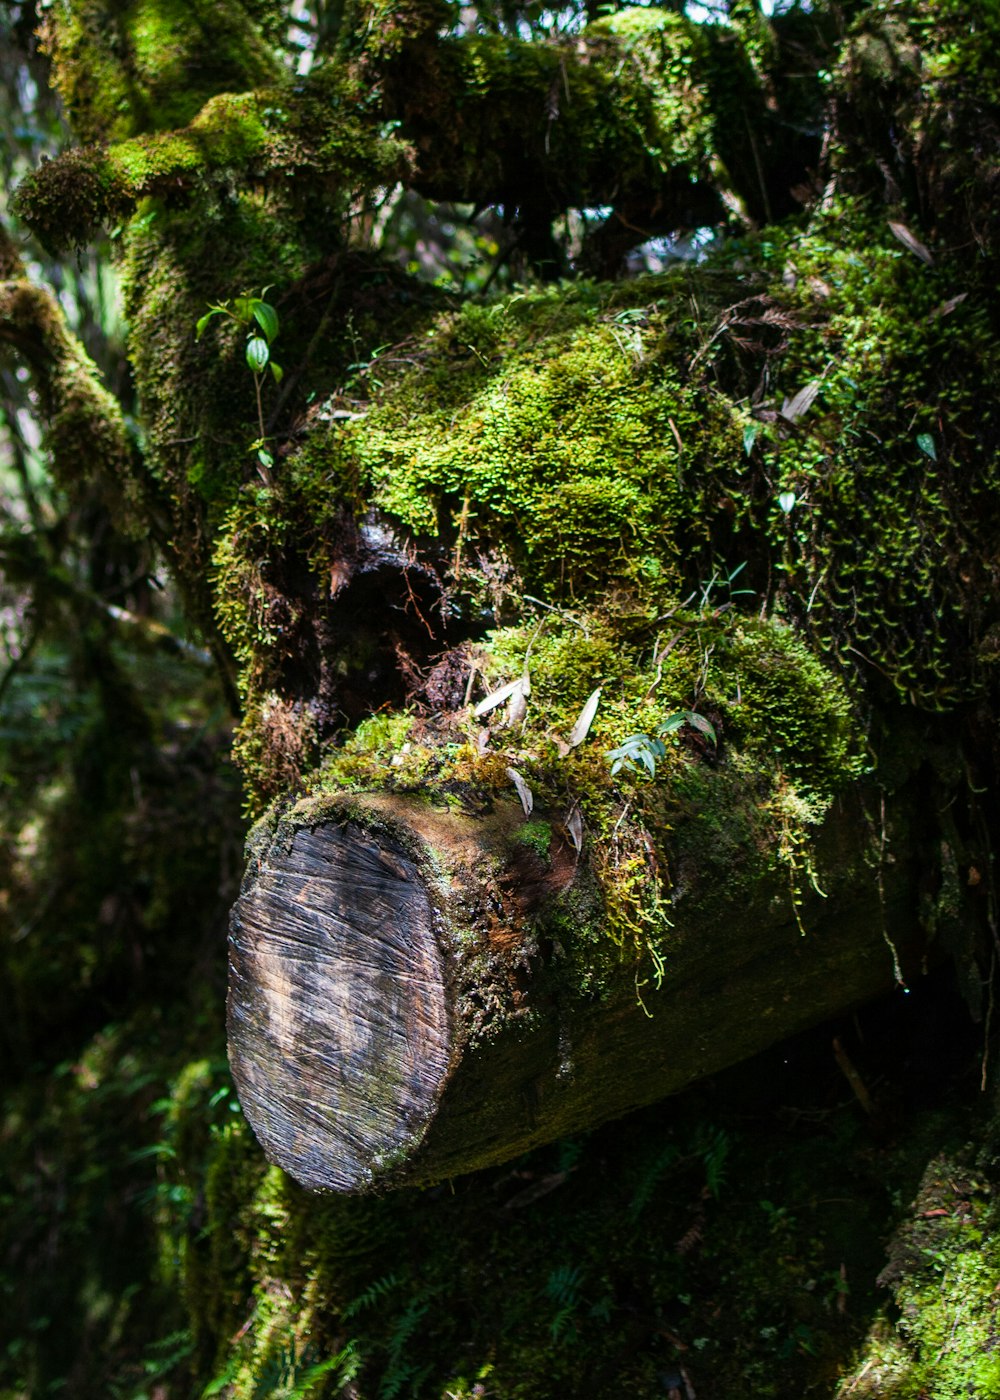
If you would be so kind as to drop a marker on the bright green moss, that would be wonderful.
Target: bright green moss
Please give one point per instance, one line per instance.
(228, 131)
(879, 556)
(944, 1273)
(670, 53)
(781, 701)
(538, 836)
(559, 427)
(152, 64)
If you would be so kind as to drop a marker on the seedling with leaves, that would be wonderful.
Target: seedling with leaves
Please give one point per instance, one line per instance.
(645, 751)
(259, 320)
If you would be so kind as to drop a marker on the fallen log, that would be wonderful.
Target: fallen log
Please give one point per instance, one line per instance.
(404, 1005)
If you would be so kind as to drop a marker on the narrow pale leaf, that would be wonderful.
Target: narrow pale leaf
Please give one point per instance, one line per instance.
(914, 244)
(947, 307)
(518, 707)
(523, 790)
(787, 500)
(277, 371)
(802, 402)
(582, 727)
(750, 437)
(495, 698)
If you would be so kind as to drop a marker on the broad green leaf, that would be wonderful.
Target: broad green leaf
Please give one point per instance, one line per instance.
(258, 353)
(700, 723)
(927, 446)
(203, 321)
(264, 457)
(277, 371)
(750, 433)
(266, 317)
(787, 500)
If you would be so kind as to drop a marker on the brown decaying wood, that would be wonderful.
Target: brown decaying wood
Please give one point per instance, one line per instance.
(337, 1006)
(399, 1014)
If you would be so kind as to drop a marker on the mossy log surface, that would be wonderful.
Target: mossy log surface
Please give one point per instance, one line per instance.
(399, 1009)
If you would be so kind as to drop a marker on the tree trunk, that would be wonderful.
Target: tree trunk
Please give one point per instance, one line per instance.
(403, 1001)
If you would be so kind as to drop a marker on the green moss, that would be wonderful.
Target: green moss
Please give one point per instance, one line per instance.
(944, 1272)
(553, 421)
(151, 64)
(870, 549)
(786, 704)
(670, 52)
(323, 126)
(537, 836)
(86, 438)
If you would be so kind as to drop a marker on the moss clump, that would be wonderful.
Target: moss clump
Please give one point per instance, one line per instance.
(537, 836)
(786, 706)
(789, 744)
(553, 420)
(151, 64)
(939, 1338)
(323, 127)
(892, 478)
(934, 68)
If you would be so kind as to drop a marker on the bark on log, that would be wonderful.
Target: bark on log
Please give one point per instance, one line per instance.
(401, 1008)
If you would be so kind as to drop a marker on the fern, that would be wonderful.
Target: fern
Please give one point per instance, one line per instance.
(712, 1145)
(400, 1371)
(563, 1287)
(652, 1174)
(372, 1295)
(347, 1362)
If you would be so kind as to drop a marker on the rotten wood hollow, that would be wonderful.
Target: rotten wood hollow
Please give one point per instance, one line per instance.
(404, 1004)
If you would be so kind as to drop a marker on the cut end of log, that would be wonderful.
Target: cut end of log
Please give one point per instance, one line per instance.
(339, 1034)
(402, 1006)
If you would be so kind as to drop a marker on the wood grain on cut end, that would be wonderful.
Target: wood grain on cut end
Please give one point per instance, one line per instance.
(339, 1035)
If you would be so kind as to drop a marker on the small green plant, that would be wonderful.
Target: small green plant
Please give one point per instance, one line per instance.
(721, 582)
(259, 320)
(645, 751)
